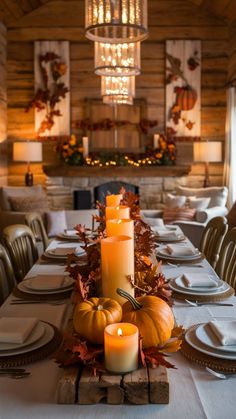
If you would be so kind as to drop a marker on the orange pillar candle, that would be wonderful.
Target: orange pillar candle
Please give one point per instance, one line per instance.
(120, 228)
(121, 343)
(113, 200)
(117, 262)
(121, 211)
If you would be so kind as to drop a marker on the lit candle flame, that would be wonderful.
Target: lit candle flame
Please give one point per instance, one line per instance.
(119, 221)
(117, 207)
(119, 332)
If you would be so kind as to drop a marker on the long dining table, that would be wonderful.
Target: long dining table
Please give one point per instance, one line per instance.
(194, 393)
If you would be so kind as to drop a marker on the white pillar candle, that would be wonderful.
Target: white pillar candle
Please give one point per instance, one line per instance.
(121, 345)
(121, 211)
(156, 141)
(117, 263)
(113, 200)
(85, 147)
(120, 227)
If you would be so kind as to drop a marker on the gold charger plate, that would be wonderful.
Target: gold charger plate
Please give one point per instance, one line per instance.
(209, 297)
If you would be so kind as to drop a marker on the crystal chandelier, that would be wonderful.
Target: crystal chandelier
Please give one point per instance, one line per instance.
(117, 59)
(116, 21)
(118, 90)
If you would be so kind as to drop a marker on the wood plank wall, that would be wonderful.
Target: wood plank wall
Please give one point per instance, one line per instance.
(3, 107)
(232, 56)
(168, 19)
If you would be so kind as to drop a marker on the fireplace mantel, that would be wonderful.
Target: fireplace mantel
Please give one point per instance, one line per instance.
(78, 171)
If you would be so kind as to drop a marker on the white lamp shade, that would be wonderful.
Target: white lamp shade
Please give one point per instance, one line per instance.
(27, 151)
(207, 151)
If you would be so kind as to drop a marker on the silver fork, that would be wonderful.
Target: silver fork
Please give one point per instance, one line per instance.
(179, 265)
(210, 303)
(53, 303)
(220, 374)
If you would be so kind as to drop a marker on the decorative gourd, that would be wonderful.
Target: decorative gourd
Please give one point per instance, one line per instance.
(186, 98)
(151, 315)
(92, 316)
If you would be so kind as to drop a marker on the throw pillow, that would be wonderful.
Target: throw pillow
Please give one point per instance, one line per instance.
(7, 192)
(56, 223)
(28, 203)
(198, 203)
(175, 201)
(218, 194)
(181, 214)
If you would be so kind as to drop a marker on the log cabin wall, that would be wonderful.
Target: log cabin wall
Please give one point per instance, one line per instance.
(3, 107)
(232, 56)
(168, 19)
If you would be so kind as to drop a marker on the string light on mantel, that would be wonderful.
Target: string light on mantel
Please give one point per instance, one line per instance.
(116, 21)
(117, 59)
(117, 90)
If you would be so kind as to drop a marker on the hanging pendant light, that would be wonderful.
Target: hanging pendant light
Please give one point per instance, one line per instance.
(117, 59)
(119, 90)
(116, 21)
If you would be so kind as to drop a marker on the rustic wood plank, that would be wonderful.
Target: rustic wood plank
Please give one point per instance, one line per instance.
(136, 386)
(66, 389)
(89, 389)
(115, 393)
(158, 385)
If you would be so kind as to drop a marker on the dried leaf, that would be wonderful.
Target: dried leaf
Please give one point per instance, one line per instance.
(177, 332)
(172, 345)
(154, 358)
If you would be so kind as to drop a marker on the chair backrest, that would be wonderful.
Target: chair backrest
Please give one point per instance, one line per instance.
(7, 277)
(34, 221)
(112, 187)
(226, 265)
(212, 239)
(21, 245)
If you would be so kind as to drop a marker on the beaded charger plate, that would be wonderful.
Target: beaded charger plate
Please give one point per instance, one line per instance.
(49, 344)
(195, 259)
(229, 292)
(203, 358)
(41, 297)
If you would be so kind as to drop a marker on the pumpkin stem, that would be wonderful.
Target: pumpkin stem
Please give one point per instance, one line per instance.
(136, 305)
(99, 307)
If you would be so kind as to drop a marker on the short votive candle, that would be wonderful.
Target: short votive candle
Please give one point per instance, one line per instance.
(113, 200)
(120, 211)
(121, 345)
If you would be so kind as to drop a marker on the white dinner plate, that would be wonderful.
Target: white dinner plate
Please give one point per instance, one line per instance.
(219, 284)
(23, 288)
(36, 334)
(164, 254)
(169, 239)
(45, 338)
(191, 338)
(207, 337)
(66, 236)
(189, 291)
(51, 252)
(67, 283)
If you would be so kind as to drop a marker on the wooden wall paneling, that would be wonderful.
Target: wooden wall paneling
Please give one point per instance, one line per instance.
(3, 107)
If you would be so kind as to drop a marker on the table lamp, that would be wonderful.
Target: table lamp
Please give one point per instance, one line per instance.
(27, 152)
(207, 152)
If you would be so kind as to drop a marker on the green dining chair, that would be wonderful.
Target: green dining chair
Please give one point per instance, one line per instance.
(21, 245)
(35, 222)
(226, 265)
(212, 239)
(7, 277)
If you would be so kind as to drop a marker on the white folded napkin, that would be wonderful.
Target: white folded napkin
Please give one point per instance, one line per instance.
(225, 331)
(71, 233)
(164, 232)
(44, 282)
(62, 251)
(198, 280)
(180, 250)
(16, 329)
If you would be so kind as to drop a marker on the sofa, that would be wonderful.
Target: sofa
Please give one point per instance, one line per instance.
(193, 229)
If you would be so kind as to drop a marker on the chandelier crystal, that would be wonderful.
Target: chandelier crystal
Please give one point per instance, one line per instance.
(119, 90)
(117, 59)
(116, 21)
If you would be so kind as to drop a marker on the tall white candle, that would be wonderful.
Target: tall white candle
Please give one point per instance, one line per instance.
(85, 147)
(117, 262)
(121, 344)
(156, 141)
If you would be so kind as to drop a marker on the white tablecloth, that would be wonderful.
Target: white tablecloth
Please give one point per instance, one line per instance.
(193, 392)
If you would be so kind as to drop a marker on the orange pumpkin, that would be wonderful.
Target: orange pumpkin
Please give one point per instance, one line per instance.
(186, 98)
(152, 316)
(92, 316)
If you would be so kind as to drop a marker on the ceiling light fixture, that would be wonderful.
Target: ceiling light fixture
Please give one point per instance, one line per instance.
(117, 59)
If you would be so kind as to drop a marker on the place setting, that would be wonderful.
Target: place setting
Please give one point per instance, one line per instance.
(212, 344)
(60, 253)
(179, 253)
(200, 287)
(26, 339)
(36, 288)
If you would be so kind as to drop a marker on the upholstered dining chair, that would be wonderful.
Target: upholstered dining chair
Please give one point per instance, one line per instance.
(34, 221)
(212, 238)
(226, 265)
(7, 277)
(21, 245)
